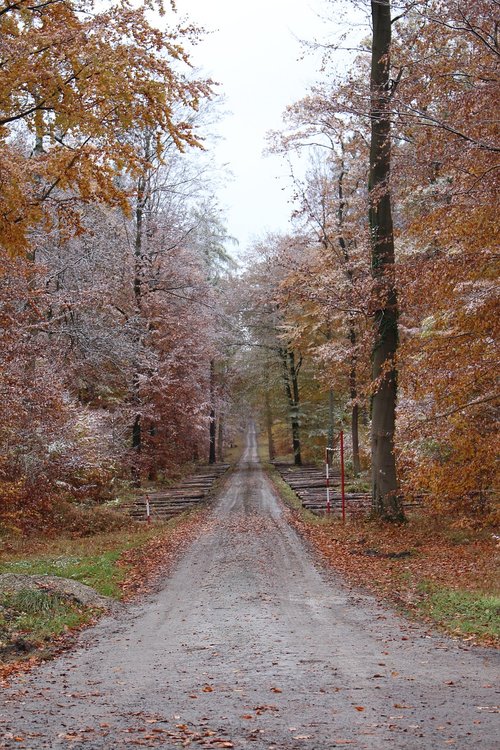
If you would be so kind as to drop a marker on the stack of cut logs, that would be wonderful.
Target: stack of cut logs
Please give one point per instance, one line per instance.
(171, 501)
(309, 484)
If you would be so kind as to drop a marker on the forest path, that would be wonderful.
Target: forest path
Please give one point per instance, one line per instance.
(249, 645)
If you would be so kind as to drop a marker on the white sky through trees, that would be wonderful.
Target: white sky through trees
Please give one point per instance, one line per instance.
(254, 52)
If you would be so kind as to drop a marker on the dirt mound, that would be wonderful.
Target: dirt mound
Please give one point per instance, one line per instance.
(80, 592)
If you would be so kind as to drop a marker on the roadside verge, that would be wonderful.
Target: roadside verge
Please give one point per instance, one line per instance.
(119, 566)
(429, 569)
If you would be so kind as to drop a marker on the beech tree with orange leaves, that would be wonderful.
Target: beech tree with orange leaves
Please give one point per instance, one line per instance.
(76, 79)
(445, 106)
(433, 227)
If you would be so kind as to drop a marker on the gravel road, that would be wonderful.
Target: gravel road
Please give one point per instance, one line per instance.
(250, 644)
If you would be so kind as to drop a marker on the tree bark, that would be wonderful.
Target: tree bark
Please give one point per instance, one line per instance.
(353, 392)
(291, 381)
(331, 417)
(385, 499)
(213, 424)
(294, 372)
(137, 425)
(139, 262)
(269, 427)
(353, 386)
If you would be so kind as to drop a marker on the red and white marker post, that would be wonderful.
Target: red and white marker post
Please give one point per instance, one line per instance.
(148, 510)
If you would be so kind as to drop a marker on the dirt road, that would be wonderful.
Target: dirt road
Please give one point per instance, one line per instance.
(248, 644)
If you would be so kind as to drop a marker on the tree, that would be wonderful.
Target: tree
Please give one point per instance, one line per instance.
(264, 339)
(71, 112)
(447, 176)
(431, 109)
(385, 497)
(332, 274)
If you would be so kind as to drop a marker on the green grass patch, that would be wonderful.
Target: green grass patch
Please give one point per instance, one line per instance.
(28, 618)
(358, 484)
(91, 560)
(464, 612)
(101, 572)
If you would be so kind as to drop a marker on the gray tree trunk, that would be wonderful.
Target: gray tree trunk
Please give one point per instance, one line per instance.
(269, 427)
(385, 499)
(212, 426)
(291, 382)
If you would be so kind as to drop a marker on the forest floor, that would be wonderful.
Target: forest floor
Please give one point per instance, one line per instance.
(431, 568)
(245, 642)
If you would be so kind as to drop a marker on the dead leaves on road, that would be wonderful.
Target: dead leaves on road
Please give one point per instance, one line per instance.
(148, 563)
(151, 735)
(395, 562)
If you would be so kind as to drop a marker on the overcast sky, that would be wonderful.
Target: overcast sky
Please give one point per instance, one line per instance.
(254, 53)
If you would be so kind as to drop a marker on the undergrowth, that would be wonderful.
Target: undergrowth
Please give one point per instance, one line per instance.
(30, 620)
(90, 560)
(430, 567)
(463, 612)
(33, 618)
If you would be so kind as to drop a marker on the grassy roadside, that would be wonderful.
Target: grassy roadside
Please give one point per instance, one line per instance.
(35, 625)
(91, 560)
(428, 568)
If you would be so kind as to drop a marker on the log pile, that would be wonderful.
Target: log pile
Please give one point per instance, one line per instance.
(309, 484)
(173, 500)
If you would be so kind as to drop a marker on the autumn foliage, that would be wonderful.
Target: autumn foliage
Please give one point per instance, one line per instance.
(107, 264)
(444, 188)
(117, 336)
(77, 80)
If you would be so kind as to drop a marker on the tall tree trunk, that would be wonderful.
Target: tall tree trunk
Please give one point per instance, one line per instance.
(294, 371)
(139, 263)
(353, 387)
(386, 502)
(269, 426)
(353, 392)
(136, 448)
(291, 381)
(331, 417)
(137, 425)
(220, 438)
(212, 427)
(331, 402)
